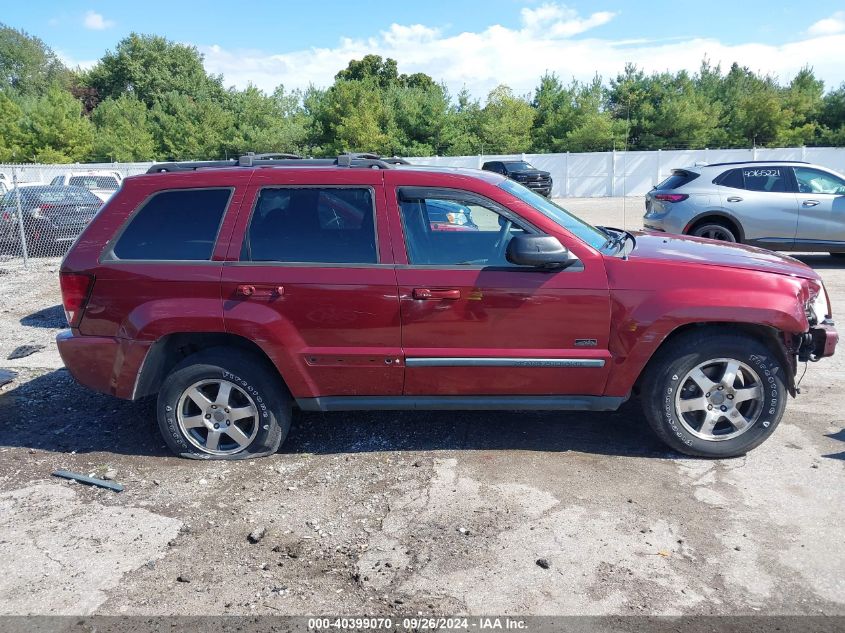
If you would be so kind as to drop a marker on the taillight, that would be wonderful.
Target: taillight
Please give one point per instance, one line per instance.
(671, 197)
(75, 290)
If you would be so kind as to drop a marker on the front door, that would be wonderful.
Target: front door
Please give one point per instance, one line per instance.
(312, 281)
(474, 324)
(821, 204)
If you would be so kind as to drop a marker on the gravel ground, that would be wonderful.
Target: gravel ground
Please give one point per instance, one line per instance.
(410, 512)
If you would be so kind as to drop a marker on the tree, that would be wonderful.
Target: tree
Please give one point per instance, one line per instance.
(11, 134)
(371, 68)
(462, 127)
(150, 67)
(506, 122)
(352, 116)
(419, 116)
(262, 123)
(123, 131)
(54, 128)
(186, 128)
(27, 65)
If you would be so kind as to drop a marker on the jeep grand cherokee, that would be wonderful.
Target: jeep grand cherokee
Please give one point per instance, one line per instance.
(238, 290)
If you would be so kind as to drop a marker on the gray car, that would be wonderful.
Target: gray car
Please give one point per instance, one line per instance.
(780, 205)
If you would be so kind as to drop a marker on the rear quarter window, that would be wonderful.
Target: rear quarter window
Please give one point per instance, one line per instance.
(677, 179)
(731, 178)
(177, 225)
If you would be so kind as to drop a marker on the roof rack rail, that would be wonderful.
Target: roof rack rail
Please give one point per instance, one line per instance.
(250, 157)
(747, 162)
(364, 160)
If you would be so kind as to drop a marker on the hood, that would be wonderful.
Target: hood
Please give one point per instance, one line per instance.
(527, 172)
(686, 249)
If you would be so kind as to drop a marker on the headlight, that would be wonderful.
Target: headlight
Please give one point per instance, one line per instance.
(820, 306)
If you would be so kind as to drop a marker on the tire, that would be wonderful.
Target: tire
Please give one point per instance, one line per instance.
(675, 403)
(193, 399)
(715, 231)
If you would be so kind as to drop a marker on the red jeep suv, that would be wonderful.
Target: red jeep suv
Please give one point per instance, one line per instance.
(237, 290)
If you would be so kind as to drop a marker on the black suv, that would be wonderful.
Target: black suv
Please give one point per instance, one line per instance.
(524, 173)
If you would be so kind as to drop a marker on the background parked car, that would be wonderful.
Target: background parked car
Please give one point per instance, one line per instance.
(102, 184)
(446, 215)
(53, 217)
(780, 205)
(524, 173)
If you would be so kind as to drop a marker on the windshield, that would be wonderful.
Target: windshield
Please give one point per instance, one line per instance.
(519, 165)
(94, 182)
(575, 225)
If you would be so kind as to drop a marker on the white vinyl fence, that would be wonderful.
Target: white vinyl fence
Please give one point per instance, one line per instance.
(601, 174)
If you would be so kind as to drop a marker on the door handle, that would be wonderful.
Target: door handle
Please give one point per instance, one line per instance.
(427, 293)
(247, 290)
(810, 203)
(734, 199)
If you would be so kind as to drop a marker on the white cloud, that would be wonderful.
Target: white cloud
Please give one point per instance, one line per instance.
(96, 22)
(71, 62)
(544, 41)
(828, 26)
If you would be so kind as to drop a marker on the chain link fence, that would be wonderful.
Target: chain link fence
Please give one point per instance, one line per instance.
(44, 208)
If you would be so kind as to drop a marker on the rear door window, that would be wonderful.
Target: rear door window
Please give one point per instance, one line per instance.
(767, 179)
(312, 225)
(178, 225)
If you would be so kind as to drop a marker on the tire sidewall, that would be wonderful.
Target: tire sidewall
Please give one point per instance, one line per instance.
(772, 381)
(272, 403)
(701, 229)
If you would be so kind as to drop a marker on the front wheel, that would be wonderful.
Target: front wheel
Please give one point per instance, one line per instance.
(714, 395)
(223, 404)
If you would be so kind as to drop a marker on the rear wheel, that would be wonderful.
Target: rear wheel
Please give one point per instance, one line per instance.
(715, 231)
(714, 395)
(220, 405)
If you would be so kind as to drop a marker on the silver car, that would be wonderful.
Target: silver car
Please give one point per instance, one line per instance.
(780, 205)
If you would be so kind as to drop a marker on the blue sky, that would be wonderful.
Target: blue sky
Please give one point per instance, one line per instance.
(472, 43)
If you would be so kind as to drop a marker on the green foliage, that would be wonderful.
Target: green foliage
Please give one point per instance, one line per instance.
(262, 123)
(152, 67)
(27, 65)
(54, 128)
(11, 130)
(506, 123)
(122, 131)
(186, 128)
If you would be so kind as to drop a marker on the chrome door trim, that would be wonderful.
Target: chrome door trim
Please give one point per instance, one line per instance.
(445, 361)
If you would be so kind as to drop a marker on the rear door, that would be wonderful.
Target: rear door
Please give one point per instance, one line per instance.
(310, 278)
(762, 199)
(821, 203)
(474, 324)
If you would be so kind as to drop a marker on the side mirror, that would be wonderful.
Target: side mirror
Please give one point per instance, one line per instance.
(541, 251)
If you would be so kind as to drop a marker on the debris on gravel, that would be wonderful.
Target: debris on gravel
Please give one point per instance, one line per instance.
(22, 351)
(257, 534)
(543, 563)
